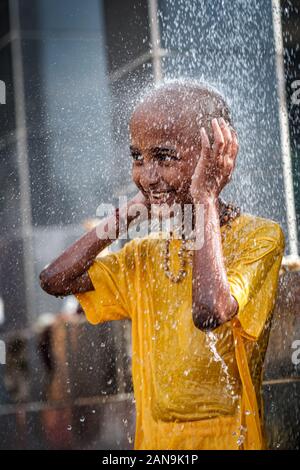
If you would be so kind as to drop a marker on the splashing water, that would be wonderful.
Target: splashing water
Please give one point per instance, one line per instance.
(211, 340)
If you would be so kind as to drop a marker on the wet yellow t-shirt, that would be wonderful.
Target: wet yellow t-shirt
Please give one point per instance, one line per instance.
(193, 390)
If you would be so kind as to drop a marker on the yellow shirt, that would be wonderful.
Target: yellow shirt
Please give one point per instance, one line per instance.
(193, 390)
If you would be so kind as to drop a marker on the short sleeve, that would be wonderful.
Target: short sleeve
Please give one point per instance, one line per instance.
(111, 276)
(253, 275)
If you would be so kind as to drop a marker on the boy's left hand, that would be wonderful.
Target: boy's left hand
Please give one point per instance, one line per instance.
(216, 164)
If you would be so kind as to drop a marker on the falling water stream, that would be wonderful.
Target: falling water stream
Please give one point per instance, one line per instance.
(211, 340)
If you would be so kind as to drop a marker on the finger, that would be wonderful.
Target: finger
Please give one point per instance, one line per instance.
(205, 153)
(227, 136)
(205, 144)
(219, 142)
(231, 157)
(223, 158)
(235, 145)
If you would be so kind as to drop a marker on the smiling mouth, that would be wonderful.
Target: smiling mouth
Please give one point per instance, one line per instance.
(161, 196)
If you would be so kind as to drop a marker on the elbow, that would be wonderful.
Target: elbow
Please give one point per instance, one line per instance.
(48, 283)
(45, 281)
(205, 318)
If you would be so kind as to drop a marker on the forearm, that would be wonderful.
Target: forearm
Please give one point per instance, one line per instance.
(58, 277)
(73, 262)
(212, 302)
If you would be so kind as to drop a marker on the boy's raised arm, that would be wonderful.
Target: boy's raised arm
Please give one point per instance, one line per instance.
(68, 274)
(213, 303)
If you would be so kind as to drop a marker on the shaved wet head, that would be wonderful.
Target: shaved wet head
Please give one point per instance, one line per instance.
(166, 139)
(189, 103)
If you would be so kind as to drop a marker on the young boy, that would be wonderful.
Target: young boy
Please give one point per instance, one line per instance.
(200, 318)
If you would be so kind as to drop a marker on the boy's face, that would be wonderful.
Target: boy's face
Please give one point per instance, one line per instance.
(165, 148)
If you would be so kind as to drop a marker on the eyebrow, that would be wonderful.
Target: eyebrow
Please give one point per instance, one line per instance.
(133, 149)
(155, 149)
(163, 149)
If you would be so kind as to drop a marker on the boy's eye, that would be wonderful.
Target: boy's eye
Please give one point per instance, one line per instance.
(137, 157)
(167, 156)
(159, 154)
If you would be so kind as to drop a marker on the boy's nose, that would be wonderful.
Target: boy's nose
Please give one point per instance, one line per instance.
(150, 176)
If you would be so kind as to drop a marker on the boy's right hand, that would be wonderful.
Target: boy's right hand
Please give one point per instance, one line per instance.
(137, 209)
(140, 198)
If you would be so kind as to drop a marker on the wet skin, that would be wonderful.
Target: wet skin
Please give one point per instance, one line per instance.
(163, 160)
(173, 161)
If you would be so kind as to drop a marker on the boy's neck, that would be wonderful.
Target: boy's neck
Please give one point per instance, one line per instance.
(186, 230)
